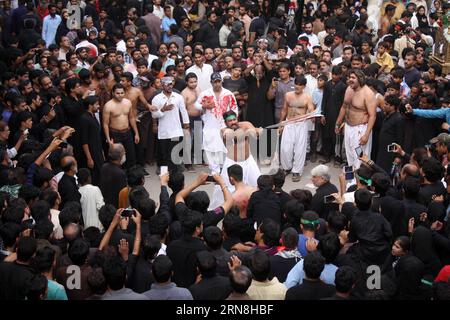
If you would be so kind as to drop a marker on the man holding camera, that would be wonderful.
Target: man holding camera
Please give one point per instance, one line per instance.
(392, 131)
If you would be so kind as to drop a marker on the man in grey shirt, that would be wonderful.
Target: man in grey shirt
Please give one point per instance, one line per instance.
(279, 88)
(164, 288)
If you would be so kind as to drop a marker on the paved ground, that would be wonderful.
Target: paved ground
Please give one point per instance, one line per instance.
(152, 181)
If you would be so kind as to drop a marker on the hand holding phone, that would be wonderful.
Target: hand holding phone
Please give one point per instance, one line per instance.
(210, 179)
(359, 151)
(329, 199)
(349, 173)
(163, 170)
(127, 213)
(392, 147)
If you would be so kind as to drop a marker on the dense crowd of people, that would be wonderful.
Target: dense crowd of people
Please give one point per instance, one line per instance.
(94, 91)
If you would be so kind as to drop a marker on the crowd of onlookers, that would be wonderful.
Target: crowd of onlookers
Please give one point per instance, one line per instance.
(86, 87)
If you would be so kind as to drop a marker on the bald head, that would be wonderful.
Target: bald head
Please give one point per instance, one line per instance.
(410, 170)
(69, 164)
(116, 151)
(240, 279)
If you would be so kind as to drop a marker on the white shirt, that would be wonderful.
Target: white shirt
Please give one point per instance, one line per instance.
(121, 46)
(159, 12)
(336, 61)
(203, 75)
(150, 59)
(313, 40)
(224, 32)
(169, 121)
(311, 84)
(213, 119)
(91, 201)
(57, 229)
(225, 74)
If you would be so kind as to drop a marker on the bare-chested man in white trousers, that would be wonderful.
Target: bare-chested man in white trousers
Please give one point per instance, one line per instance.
(359, 113)
(294, 139)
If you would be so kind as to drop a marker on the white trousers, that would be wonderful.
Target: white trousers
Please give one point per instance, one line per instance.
(215, 160)
(352, 134)
(250, 172)
(293, 147)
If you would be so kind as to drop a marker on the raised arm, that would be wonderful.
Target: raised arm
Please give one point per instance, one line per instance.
(107, 236)
(201, 179)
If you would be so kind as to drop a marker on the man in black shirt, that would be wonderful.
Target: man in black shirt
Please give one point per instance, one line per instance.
(321, 179)
(112, 176)
(372, 231)
(67, 186)
(432, 172)
(91, 138)
(73, 109)
(183, 252)
(391, 131)
(15, 277)
(208, 34)
(211, 286)
(345, 281)
(312, 287)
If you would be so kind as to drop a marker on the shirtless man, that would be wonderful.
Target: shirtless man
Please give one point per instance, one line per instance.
(190, 95)
(134, 94)
(242, 193)
(294, 138)
(118, 116)
(99, 81)
(359, 113)
(236, 137)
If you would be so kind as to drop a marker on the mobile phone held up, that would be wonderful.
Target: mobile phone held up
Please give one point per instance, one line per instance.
(328, 199)
(210, 179)
(349, 173)
(359, 151)
(163, 170)
(392, 147)
(127, 213)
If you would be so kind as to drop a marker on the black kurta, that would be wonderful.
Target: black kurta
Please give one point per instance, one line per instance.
(73, 109)
(333, 97)
(91, 135)
(259, 108)
(391, 131)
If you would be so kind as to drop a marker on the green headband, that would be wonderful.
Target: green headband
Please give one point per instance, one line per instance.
(230, 117)
(313, 222)
(368, 182)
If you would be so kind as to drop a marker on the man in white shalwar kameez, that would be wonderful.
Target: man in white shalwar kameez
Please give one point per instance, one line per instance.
(214, 103)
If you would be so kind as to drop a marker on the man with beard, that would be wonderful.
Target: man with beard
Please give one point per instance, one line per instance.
(214, 103)
(73, 109)
(50, 25)
(359, 113)
(99, 81)
(163, 51)
(190, 95)
(90, 137)
(118, 116)
(392, 131)
(139, 106)
(333, 96)
(236, 137)
(169, 106)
